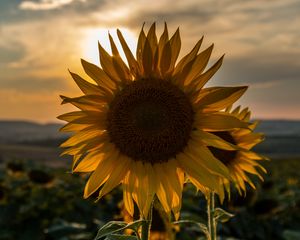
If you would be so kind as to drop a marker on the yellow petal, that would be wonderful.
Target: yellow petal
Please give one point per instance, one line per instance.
(253, 155)
(121, 69)
(202, 155)
(107, 64)
(150, 182)
(220, 98)
(81, 136)
(180, 77)
(86, 102)
(127, 195)
(246, 118)
(197, 171)
(203, 78)
(86, 87)
(147, 58)
(250, 140)
(162, 194)
(175, 43)
(130, 58)
(174, 184)
(166, 57)
(90, 162)
(101, 174)
(140, 187)
(98, 75)
(210, 139)
(113, 46)
(189, 57)
(199, 65)
(117, 175)
(68, 117)
(243, 113)
(71, 127)
(218, 122)
(151, 36)
(236, 111)
(92, 117)
(164, 39)
(140, 46)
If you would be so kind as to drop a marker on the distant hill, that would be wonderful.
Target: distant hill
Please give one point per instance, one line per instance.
(282, 136)
(23, 131)
(279, 127)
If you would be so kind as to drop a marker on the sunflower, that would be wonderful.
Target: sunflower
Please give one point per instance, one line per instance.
(242, 161)
(145, 123)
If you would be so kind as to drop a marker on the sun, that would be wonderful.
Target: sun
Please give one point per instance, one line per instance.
(93, 35)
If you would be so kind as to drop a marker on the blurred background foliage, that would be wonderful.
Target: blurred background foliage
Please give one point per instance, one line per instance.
(40, 202)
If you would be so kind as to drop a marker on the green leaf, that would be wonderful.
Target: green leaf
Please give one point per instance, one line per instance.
(135, 225)
(117, 226)
(120, 237)
(291, 235)
(221, 215)
(202, 226)
(109, 228)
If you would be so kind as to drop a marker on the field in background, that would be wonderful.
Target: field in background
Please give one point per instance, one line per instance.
(38, 202)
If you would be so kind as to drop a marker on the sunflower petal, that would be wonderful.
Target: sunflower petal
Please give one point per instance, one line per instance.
(113, 46)
(101, 174)
(250, 140)
(210, 139)
(71, 127)
(166, 57)
(86, 87)
(98, 75)
(140, 46)
(86, 102)
(147, 58)
(207, 159)
(151, 36)
(243, 113)
(220, 98)
(117, 175)
(175, 43)
(90, 162)
(107, 64)
(68, 117)
(197, 171)
(81, 136)
(236, 111)
(92, 117)
(203, 78)
(218, 122)
(127, 197)
(189, 57)
(133, 65)
(199, 64)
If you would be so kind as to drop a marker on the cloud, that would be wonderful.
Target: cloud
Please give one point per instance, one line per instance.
(32, 84)
(262, 68)
(260, 39)
(45, 4)
(11, 52)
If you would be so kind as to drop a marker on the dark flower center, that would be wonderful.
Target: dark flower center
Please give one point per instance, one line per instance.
(224, 156)
(150, 120)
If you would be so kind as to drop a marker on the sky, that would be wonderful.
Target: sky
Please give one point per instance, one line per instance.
(41, 39)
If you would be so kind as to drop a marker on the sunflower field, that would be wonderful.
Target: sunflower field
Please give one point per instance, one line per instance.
(39, 202)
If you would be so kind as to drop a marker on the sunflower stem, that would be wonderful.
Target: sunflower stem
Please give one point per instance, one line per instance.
(212, 224)
(145, 234)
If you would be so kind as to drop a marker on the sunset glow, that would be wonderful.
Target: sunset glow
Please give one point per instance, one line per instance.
(94, 35)
(40, 40)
